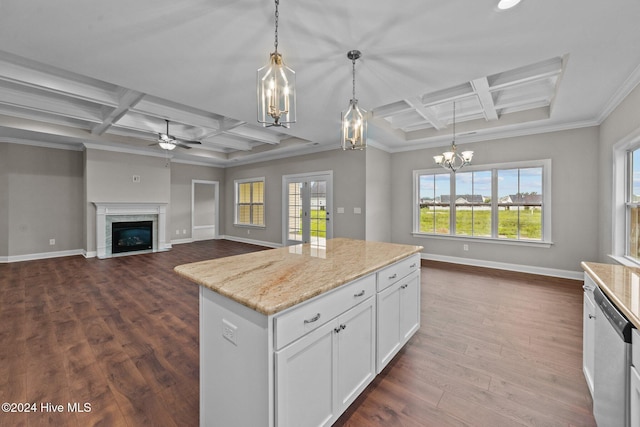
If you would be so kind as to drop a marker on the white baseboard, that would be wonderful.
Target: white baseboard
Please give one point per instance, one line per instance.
(181, 241)
(543, 271)
(252, 242)
(43, 255)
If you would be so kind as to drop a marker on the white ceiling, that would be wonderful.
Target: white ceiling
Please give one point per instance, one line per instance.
(110, 72)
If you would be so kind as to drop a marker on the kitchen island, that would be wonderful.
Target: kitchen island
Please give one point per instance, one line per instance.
(291, 336)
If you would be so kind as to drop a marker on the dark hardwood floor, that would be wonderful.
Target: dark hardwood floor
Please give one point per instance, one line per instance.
(494, 348)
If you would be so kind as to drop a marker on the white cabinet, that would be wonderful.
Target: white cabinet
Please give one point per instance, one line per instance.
(588, 336)
(398, 309)
(320, 374)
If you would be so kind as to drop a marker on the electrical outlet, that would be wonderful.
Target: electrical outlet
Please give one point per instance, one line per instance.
(229, 331)
(52, 242)
(177, 231)
(465, 247)
(136, 178)
(184, 231)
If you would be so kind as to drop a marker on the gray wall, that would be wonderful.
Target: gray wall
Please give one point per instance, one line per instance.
(4, 200)
(180, 208)
(348, 192)
(42, 199)
(109, 178)
(574, 155)
(378, 195)
(622, 122)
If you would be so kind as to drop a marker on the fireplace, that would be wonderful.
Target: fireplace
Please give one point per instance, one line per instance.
(131, 236)
(108, 215)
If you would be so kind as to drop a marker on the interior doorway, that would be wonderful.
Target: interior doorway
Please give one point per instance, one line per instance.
(308, 204)
(204, 209)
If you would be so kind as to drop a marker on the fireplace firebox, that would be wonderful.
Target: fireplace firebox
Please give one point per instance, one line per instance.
(131, 236)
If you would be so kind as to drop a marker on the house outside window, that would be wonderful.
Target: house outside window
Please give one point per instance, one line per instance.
(504, 202)
(249, 194)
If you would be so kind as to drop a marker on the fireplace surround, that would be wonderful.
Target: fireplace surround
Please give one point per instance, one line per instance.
(109, 213)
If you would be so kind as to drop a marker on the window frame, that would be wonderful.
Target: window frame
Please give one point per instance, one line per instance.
(546, 240)
(628, 201)
(236, 219)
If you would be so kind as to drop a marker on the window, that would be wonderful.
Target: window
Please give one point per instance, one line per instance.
(250, 202)
(507, 202)
(633, 204)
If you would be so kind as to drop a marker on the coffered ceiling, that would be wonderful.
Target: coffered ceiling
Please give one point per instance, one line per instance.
(108, 74)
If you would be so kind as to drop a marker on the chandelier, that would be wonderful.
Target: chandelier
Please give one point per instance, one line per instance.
(451, 159)
(354, 122)
(276, 89)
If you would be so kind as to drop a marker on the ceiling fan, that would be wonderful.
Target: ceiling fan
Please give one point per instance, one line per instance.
(169, 142)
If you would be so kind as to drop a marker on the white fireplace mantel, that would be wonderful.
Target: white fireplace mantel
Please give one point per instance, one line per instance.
(112, 209)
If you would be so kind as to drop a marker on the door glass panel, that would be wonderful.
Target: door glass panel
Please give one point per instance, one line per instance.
(318, 213)
(295, 212)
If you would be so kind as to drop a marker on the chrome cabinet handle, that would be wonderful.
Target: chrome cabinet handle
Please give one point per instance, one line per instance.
(313, 319)
(393, 277)
(404, 286)
(413, 265)
(359, 294)
(339, 328)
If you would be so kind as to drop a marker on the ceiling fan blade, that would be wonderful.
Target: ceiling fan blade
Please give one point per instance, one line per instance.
(189, 142)
(179, 144)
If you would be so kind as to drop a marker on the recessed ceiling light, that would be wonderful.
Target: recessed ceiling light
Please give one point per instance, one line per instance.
(507, 4)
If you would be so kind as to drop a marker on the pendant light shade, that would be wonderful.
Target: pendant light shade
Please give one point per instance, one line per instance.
(354, 121)
(276, 87)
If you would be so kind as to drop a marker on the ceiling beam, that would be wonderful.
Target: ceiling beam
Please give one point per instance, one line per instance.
(481, 87)
(127, 100)
(426, 113)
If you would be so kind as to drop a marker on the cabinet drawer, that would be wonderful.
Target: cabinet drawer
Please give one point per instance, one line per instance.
(397, 271)
(635, 348)
(314, 313)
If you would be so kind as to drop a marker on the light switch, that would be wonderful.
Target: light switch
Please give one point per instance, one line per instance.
(340, 210)
(357, 210)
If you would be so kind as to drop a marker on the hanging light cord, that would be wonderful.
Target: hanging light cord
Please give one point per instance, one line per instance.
(454, 124)
(354, 78)
(277, 16)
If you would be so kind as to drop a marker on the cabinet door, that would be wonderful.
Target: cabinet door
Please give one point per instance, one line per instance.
(388, 327)
(588, 338)
(356, 352)
(635, 396)
(305, 380)
(409, 307)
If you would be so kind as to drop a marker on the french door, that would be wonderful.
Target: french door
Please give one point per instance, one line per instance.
(308, 203)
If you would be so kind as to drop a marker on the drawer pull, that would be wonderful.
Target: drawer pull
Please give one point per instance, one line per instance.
(394, 276)
(413, 265)
(591, 316)
(359, 294)
(339, 328)
(313, 319)
(404, 286)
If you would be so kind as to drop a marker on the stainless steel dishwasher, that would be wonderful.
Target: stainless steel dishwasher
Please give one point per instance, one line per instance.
(611, 365)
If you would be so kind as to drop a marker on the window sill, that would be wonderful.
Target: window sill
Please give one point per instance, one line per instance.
(259, 227)
(623, 260)
(531, 243)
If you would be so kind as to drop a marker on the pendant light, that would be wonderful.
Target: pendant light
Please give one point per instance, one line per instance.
(451, 159)
(276, 89)
(354, 122)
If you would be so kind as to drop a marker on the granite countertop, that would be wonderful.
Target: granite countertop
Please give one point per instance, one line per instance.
(273, 280)
(621, 284)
